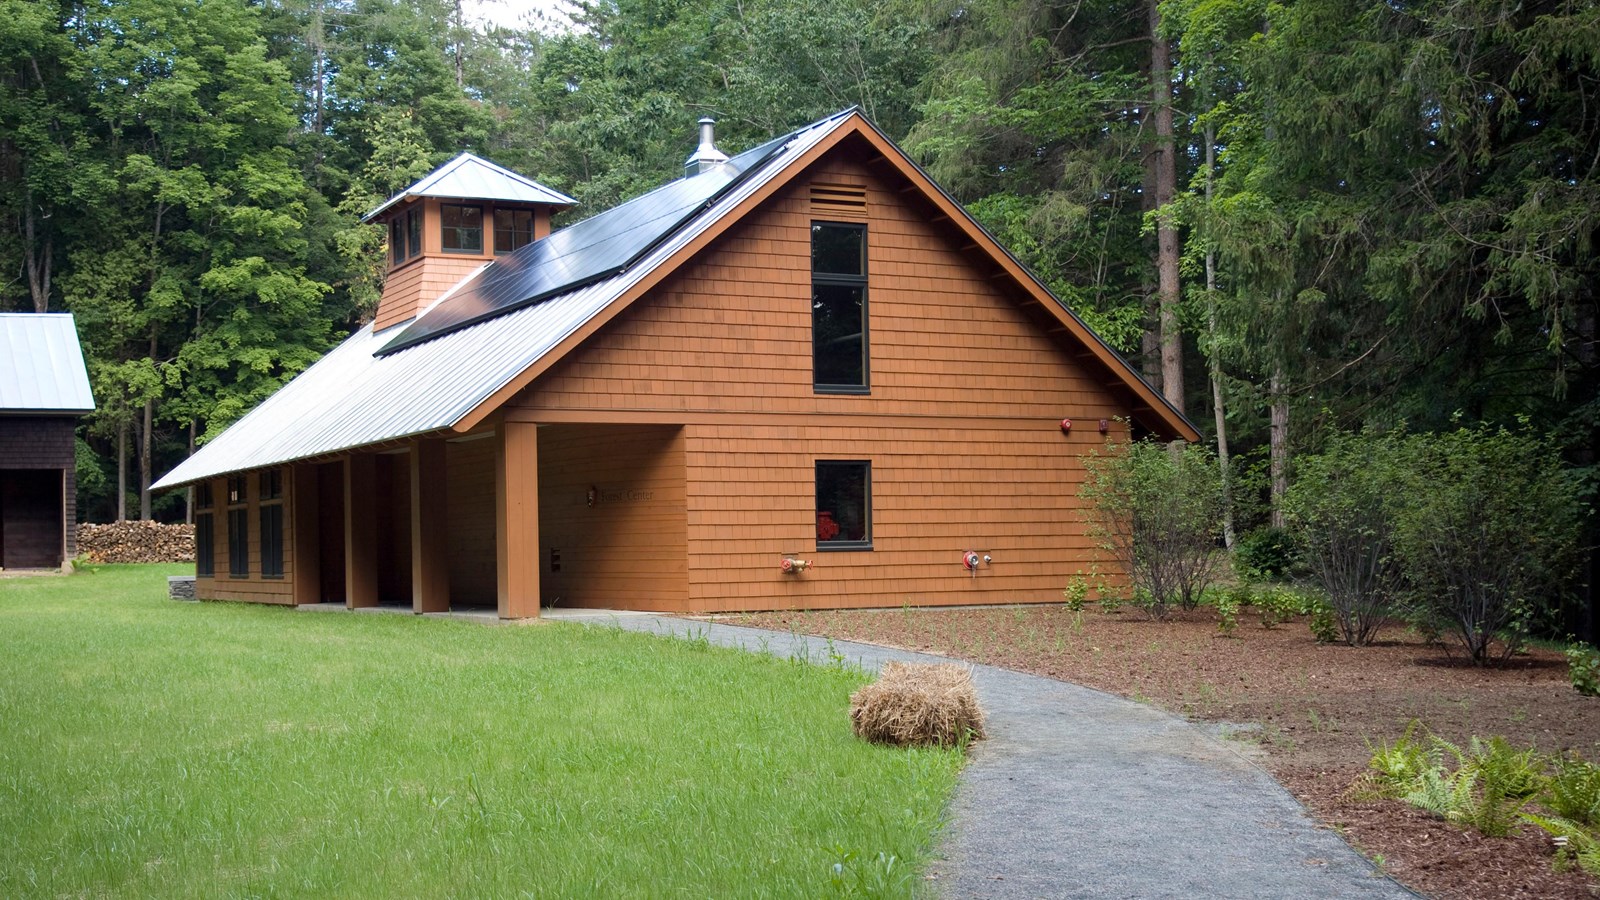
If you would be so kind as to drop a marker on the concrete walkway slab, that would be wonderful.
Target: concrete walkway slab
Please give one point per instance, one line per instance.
(1079, 793)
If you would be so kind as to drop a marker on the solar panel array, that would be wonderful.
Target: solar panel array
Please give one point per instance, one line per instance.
(579, 254)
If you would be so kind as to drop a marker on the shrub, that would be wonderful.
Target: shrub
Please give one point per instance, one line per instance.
(1278, 604)
(1227, 605)
(1486, 531)
(1076, 593)
(1583, 667)
(1158, 509)
(1265, 552)
(1340, 505)
(1324, 623)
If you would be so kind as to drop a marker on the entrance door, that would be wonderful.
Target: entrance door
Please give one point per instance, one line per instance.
(31, 532)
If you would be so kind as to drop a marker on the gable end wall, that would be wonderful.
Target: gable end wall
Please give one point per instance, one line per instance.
(961, 425)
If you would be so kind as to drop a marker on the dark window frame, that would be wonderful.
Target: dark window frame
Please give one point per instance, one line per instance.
(205, 530)
(269, 514)
(405, 237)
(460, 231)
(238, 526)
(865, 541)
(849, 280)
(513, 233)
(205, 540)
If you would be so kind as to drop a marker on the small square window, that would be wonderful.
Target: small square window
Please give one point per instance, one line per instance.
(513, 229)
(202, 495)
(271, 484)
(463, 228)
(844, 505)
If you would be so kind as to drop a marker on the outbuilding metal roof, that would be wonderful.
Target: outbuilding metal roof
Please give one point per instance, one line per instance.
(41, 365)
(357, 395)
(475, 178)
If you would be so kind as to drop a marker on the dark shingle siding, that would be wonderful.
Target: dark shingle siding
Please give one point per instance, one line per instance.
(36, 442)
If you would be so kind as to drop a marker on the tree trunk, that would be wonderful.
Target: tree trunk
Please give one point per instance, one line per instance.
(1279, 443)
(144, 461)
(122, 471)
(37, 255)
(460, 41)
(188, 495)
(1215, 361)
(1166, 185)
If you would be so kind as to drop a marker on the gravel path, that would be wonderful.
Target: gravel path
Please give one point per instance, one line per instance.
(1078, 793)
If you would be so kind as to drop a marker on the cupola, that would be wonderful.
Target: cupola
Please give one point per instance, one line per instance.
(459, 217)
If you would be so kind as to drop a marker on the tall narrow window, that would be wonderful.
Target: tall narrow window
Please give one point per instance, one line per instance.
(513, 228)
(844, 504)
(270, 505)
(405, 236)
(839, 308)
(204, 531)
(463, 228)
(414, 232)
(397, 241)
(238, 526)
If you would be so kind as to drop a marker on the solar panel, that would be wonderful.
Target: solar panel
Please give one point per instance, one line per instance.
(596, 248)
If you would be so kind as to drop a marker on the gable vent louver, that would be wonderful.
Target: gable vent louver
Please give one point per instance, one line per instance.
(848, 200)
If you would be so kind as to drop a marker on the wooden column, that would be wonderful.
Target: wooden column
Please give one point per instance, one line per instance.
(360, 531)
(305, 555)
(430, 551)
(516, 502)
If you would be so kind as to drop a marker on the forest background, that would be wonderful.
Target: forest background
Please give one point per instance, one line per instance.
(1299, 219)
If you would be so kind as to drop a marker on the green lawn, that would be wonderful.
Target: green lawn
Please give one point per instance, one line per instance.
(154, 748)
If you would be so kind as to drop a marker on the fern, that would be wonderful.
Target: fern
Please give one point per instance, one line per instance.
(1447, 795)
(1574, 792)
(1516, 774)
(1398, 767)
(1576, 845)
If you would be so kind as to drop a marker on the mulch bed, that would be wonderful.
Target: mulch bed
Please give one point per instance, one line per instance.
(1317, 708)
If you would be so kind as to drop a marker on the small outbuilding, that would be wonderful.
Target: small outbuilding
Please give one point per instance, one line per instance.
(44, 388)
(802, 376)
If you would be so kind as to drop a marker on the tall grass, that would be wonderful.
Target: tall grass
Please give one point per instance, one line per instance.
(202, 750)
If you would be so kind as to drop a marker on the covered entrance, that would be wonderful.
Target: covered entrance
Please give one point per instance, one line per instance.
(613, 526)
(32, 533)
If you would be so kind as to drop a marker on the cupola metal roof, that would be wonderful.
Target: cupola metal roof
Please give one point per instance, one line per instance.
(41, 365)
(471, 177)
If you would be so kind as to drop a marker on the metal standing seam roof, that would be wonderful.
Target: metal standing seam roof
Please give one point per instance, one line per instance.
(357, 396)
(41, 365)
(475, 178)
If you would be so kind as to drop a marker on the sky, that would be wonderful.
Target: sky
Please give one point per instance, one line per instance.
(514, 13)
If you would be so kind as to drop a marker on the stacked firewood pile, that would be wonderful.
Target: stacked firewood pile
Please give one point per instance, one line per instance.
(136, 542)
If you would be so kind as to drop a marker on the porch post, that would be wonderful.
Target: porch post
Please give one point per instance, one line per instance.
(430, 553)
(305, 556)
(360, 531)
(516, 502)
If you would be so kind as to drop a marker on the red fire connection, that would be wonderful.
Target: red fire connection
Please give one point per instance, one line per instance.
(793, 566)
(1066, 426)
(970, 560)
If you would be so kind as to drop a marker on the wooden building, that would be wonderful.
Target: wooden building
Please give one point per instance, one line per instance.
(44, 388)
(801, 377)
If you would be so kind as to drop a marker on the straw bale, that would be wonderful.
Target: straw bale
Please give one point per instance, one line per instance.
(917, 704)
